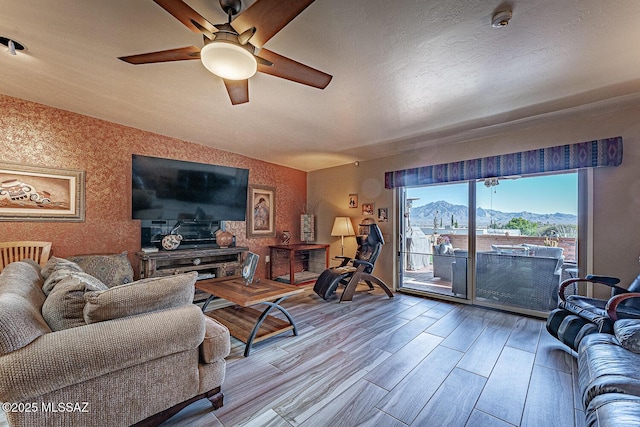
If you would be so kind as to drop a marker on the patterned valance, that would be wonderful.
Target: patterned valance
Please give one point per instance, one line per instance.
(601, 152)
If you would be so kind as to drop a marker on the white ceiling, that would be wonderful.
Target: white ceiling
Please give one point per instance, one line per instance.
(407, 73)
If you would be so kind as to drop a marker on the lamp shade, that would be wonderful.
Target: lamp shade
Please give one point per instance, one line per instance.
(342, 227)
(228, 60)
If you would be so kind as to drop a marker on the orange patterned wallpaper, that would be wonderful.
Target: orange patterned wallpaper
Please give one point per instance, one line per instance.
(38, 135)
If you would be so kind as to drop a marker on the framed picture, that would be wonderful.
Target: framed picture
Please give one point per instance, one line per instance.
(33, 193)
(367, 209)
(261, 215)
(249, 267)
(383, 215)
(353, 200)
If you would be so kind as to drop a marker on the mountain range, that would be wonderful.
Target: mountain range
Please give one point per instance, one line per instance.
(424, 215)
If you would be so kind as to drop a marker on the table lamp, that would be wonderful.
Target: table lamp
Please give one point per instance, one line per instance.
(342, 227)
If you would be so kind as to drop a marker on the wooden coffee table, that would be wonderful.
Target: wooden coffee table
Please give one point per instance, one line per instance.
(246, 323)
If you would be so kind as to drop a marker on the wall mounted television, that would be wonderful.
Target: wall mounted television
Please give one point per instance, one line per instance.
(166, 189)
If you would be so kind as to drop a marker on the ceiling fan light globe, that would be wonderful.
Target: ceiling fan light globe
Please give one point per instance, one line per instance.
(228, 60)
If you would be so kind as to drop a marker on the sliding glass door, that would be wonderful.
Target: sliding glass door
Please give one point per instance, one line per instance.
(434, 247)
(526, 239)
(523, 232)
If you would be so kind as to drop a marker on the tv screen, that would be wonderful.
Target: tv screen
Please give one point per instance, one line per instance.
(178, 190)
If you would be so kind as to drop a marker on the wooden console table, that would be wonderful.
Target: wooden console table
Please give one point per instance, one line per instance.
(246, 323)
(208, 263)
(298, 263)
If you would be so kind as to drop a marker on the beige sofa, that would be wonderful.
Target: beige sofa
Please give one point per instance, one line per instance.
(131, 352)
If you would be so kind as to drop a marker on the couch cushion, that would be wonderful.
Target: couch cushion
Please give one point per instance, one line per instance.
(614, 409)
(143, 296)
(604, 366)
(544, 251)
(55, 270)
(112, 270)
(21, 299)
(217, 343)
(63, 308)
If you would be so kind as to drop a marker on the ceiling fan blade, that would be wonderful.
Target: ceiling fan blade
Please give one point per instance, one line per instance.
(269, 17)
(244, 38)
(263, 61)
(179, 54)
(185, 14)
(292, 70)
(206, 33)
(238, 91)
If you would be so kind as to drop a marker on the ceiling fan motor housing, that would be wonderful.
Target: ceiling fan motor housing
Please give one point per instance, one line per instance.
(229, 35)
(226, 57)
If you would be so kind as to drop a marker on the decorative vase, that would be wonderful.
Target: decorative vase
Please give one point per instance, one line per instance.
(171, 242)
(307, 228)
(286, 237)
(224, 239)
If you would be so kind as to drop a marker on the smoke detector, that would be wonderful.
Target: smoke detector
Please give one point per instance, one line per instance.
(501, 19)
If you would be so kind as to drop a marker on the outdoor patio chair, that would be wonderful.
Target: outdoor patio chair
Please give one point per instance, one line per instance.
(353, 270)
(578, 316)
(528, 282)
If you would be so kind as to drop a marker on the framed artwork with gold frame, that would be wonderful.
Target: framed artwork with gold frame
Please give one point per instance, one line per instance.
(35, 193)
(261, 212)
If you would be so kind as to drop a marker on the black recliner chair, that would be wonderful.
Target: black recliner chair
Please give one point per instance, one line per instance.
(353, 270)
(578, 316)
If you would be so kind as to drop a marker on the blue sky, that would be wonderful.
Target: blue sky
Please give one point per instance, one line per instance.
(541, 194)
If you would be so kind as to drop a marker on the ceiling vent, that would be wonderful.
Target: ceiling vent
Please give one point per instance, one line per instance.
(12, 45)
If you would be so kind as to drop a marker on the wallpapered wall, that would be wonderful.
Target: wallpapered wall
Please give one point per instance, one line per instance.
(38, 135)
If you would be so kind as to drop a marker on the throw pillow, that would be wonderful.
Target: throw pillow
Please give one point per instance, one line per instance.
(58, 264)
(60, 272)
(112, 270)
(628, 333)
(143, 296)
(63, 307)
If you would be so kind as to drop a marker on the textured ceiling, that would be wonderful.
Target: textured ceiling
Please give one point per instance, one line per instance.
(407, 74)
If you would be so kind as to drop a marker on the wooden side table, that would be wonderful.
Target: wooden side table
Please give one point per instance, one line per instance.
(298, 263)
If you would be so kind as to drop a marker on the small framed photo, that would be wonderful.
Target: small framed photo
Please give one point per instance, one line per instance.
(383, 215)
(249, 267)
(367, 209)
(353, 200)
(261, 217)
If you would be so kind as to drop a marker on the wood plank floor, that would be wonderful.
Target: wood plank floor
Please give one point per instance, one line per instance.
(407, 361)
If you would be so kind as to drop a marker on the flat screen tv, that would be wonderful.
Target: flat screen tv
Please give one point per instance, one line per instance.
(177, 190)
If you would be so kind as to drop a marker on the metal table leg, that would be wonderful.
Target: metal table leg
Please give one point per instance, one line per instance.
(265, 313)
(206, 303)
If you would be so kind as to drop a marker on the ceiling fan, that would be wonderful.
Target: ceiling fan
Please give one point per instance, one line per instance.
(229, 49)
